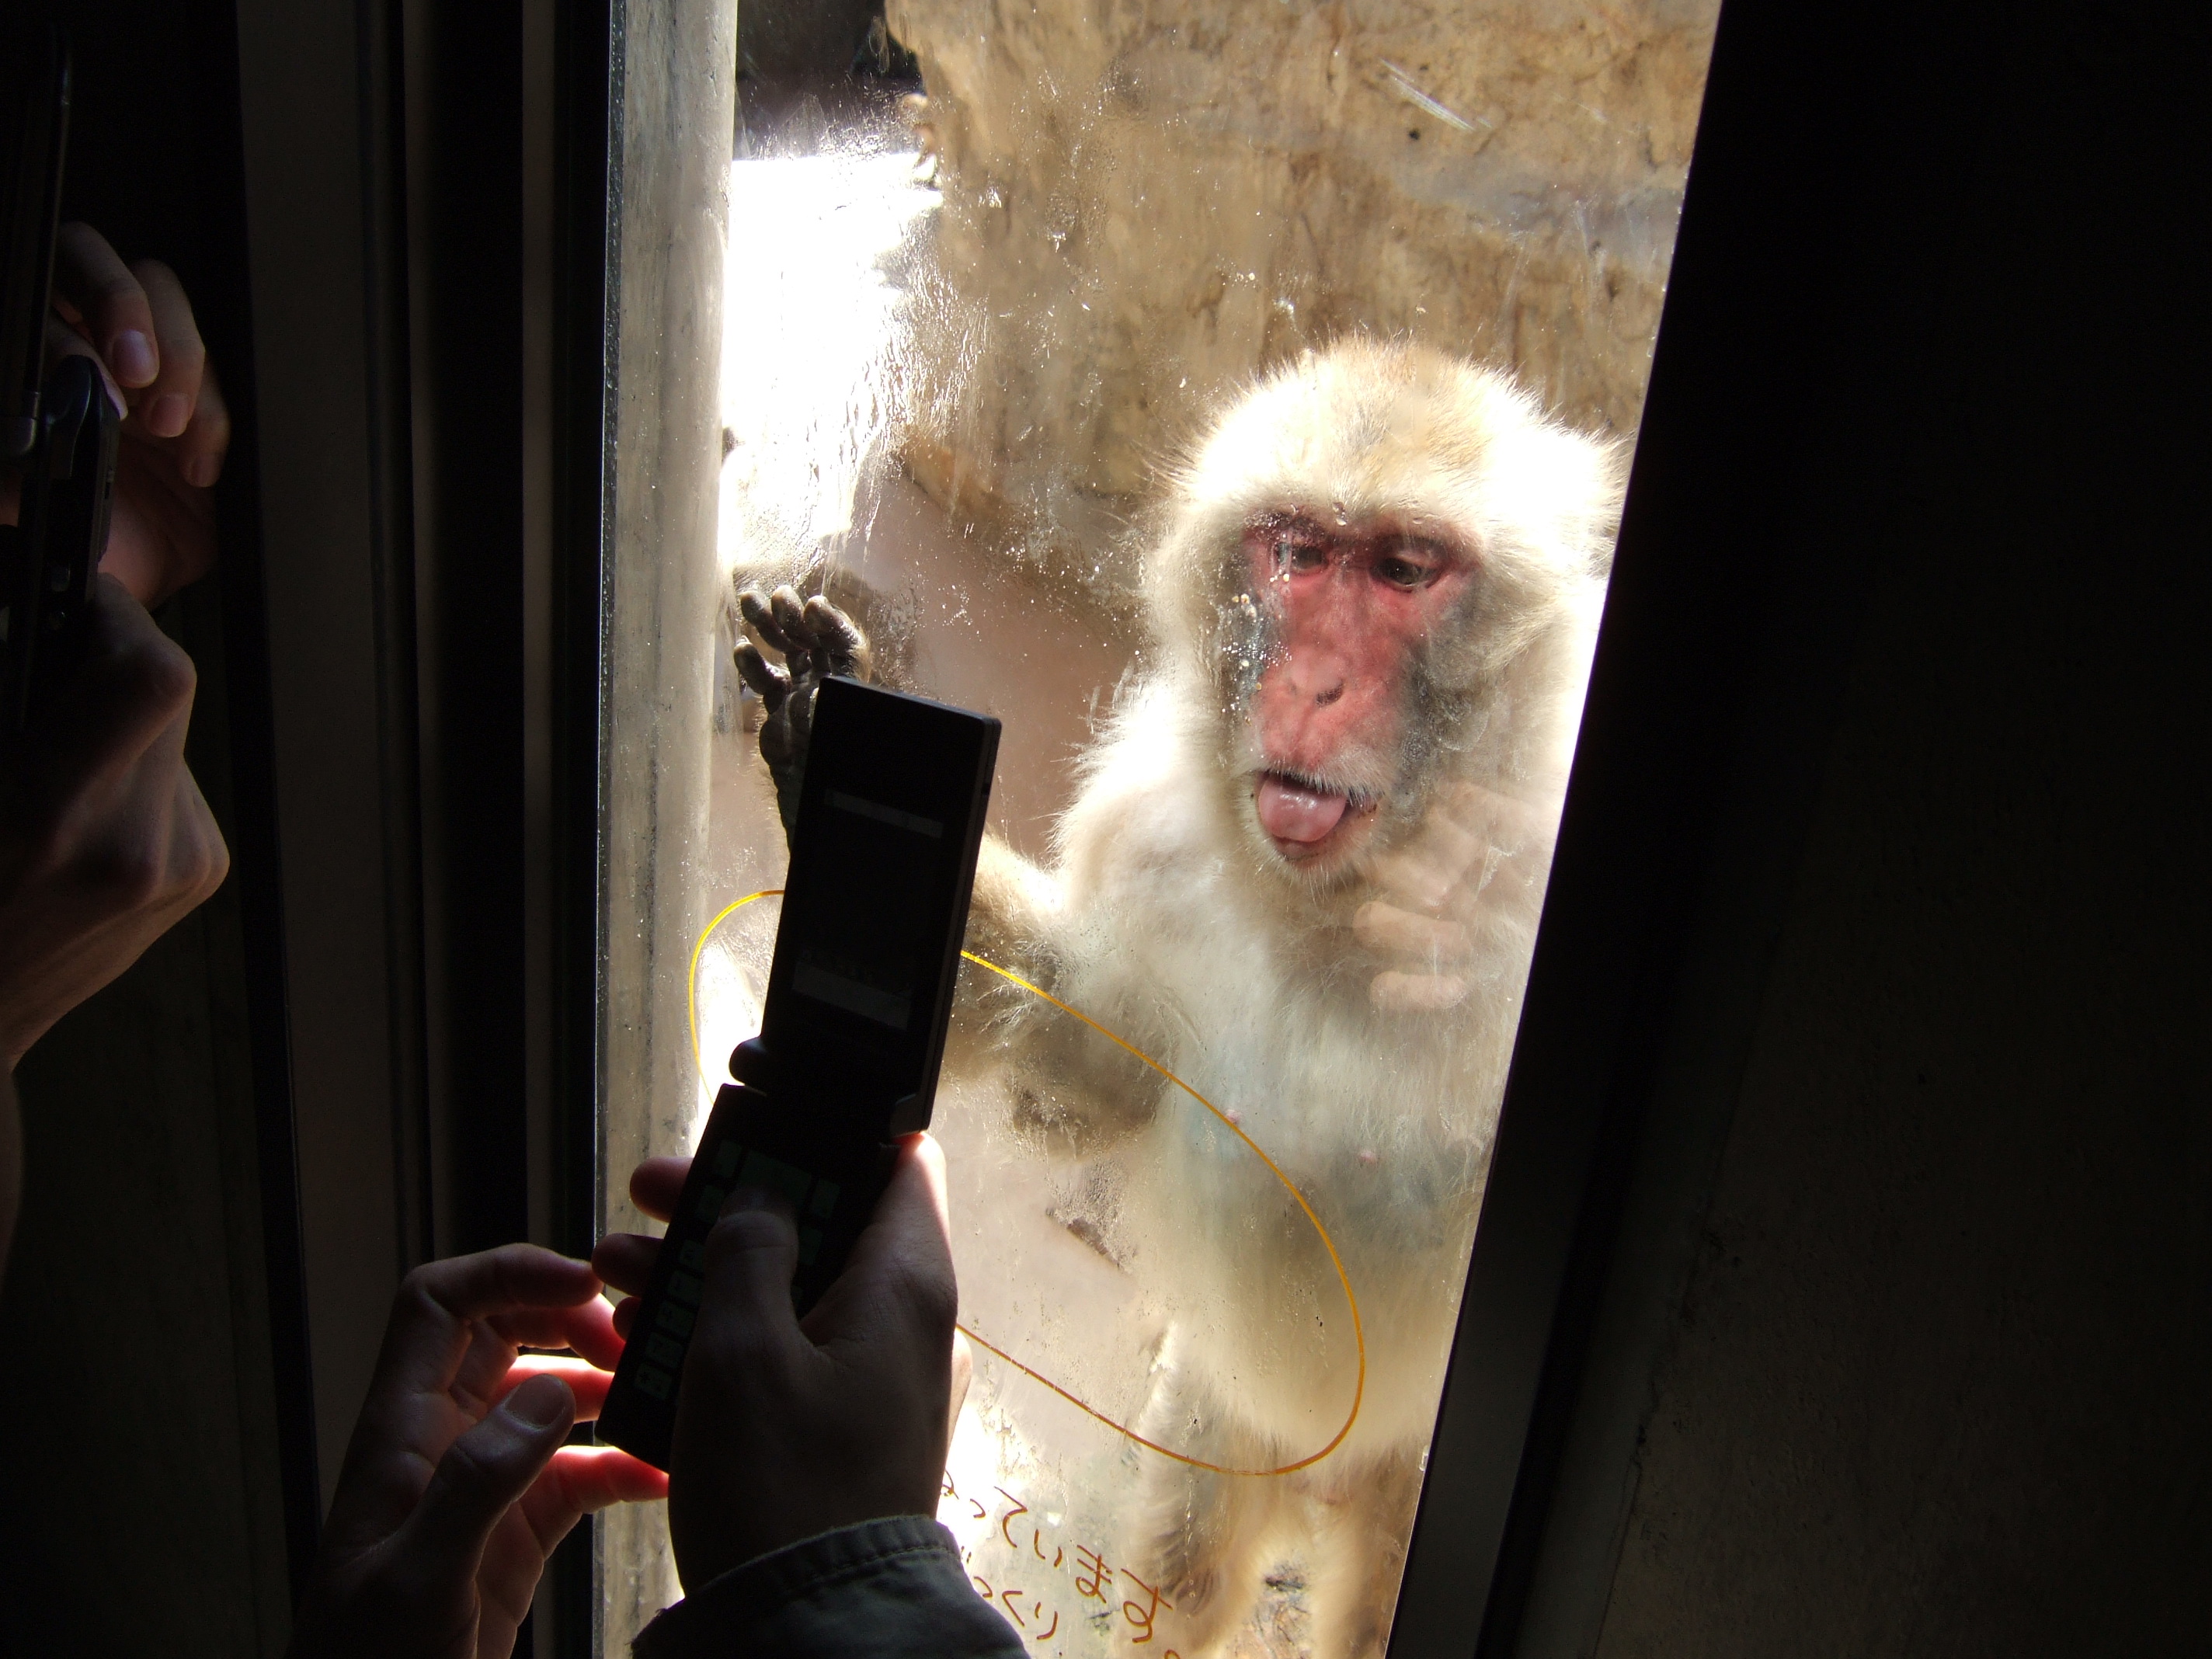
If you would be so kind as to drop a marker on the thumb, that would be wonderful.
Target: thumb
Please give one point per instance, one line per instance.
(481, 1476)
(751, 1256)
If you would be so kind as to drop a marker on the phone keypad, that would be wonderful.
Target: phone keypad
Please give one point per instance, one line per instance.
(732, 1165)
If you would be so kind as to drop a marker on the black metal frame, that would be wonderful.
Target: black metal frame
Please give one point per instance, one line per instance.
(587, 190)
(1816, 218)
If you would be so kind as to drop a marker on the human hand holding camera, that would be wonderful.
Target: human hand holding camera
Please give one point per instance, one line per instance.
(137, 321)
(104, 838)
(457, 1483)
(787, 1428)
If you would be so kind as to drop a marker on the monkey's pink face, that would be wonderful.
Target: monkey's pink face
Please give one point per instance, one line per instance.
(1352, 607)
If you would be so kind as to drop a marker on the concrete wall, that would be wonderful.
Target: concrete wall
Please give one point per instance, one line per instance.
(1145, 205)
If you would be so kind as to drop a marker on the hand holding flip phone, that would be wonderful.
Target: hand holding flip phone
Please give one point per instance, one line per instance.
(883, 858)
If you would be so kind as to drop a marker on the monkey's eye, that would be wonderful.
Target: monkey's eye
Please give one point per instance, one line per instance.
(1296, 556)
(1402, 571)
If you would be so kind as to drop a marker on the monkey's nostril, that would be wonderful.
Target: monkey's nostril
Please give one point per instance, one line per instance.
(1329, 696)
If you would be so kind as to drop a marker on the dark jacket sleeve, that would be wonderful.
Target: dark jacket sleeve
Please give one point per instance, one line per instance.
(893, 1589)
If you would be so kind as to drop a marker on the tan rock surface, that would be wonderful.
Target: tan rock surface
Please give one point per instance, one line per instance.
(1145, 204)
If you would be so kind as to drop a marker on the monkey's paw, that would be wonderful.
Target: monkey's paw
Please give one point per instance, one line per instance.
(1477, 863)
(816, 640)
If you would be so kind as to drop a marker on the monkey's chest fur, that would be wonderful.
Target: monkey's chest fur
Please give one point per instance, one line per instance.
(1383, 1121)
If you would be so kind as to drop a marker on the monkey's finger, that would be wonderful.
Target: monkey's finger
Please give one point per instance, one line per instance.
(1416, 993)
(1380, 927)
(1512, 825)
(799, 724)
(835, 636)
(790, 613)
(761, 618)
(1427, 870)
(771, 683)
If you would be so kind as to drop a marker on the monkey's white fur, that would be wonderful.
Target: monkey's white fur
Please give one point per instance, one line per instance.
(1172, 920)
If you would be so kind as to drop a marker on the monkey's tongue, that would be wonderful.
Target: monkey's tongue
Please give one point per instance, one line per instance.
(1291, 812)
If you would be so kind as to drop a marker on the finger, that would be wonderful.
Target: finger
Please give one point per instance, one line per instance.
(200, 452)
(902, 1261)
(428, 1335)
(116, 312)
(1416, 993)
(626, 1315)
(964, 1373)
(768, 682)
(165, 406)
(1427, 869)
(624, 1261)
(551, 1328)
(1380, 927)
(745, 1313)
(1505, 821)
(590, 1332)
(760, 615)
(508, 1279)
(790, 614)
(592, 1477)
(505, 1582)
(587, 1330)
(586, 1382)
(835, 636)
(582, 1480)
(482, 1476)
(656, 1185)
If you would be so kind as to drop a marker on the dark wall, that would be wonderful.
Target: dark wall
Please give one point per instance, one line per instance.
(1939, 1384)
(145, 1479)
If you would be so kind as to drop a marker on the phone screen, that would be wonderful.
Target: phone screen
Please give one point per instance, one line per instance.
(866, 931)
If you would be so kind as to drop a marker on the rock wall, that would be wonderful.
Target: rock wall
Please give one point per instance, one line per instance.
(1145, 203)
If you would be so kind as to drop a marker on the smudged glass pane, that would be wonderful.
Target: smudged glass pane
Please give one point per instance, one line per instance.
(1235, 403)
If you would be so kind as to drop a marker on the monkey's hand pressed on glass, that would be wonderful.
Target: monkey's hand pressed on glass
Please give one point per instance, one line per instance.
(816, 640)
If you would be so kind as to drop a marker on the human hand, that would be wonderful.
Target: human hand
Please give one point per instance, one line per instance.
(105, 839)
(1477, 863)
(457, 1485)
(816, 640)
(136, 322)
(785, 1428)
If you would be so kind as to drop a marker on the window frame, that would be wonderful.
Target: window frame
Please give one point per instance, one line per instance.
(1702, 719)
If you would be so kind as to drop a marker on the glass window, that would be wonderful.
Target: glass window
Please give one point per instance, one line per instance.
(1236, 404)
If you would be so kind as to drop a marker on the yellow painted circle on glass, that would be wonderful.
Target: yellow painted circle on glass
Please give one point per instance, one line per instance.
(1352, 1301)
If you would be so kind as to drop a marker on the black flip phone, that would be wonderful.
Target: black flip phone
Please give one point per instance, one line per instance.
(883, 858)
(58, 427)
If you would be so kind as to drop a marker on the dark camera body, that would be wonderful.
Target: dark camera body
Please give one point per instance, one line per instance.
(860, 995)
(58, 429)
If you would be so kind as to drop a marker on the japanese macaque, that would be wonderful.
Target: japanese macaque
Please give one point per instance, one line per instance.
(1303, 870)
